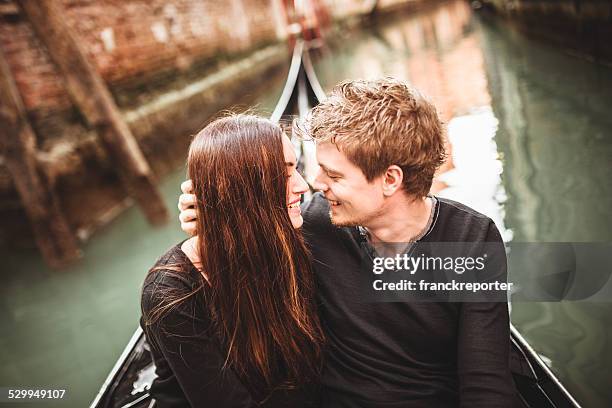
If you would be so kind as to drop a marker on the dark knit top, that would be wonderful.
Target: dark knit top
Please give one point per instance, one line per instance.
(188, 357)
(406, 354)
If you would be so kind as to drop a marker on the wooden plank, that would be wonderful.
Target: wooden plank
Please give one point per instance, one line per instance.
(9, 10)
(52, 233)
(92, 97)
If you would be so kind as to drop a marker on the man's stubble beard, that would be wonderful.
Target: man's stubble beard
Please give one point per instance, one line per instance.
(350, 222)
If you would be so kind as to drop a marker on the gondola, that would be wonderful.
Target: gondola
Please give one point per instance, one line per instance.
(128, 383)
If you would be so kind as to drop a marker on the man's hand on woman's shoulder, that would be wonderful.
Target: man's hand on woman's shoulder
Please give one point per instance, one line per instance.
(186, 205)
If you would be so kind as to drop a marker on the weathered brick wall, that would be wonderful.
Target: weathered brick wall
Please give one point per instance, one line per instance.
(132, 39)
(36, 77)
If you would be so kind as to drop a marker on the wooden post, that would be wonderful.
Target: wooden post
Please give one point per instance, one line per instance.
(92, 97)
(18, 142)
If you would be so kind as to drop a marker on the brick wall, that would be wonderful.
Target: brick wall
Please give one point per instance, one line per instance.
(132, 39)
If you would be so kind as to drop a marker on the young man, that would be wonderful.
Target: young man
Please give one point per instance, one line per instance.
(379, 144)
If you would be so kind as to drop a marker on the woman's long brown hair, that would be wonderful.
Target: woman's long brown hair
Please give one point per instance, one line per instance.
(261, 294)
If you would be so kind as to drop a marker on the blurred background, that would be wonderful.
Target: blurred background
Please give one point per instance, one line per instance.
(100, 100)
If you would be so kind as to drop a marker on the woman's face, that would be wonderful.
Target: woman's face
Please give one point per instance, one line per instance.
(296, 186)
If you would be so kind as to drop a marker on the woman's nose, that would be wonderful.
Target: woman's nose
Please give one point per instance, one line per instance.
(299, 186)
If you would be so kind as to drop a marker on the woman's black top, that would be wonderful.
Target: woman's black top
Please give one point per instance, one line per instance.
(188, 357)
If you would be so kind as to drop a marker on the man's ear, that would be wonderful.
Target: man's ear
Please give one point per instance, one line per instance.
(392, 180)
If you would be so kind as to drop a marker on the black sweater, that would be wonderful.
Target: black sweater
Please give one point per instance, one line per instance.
(187, 354)
(407, 354)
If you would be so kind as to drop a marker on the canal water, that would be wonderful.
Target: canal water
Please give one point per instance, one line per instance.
(531, 139)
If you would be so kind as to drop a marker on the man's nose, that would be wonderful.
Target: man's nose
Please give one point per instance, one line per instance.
(319, 182)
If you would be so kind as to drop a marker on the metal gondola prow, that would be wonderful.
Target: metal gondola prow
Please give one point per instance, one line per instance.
(302, 89)
(286, 101)
(318, 94)
(301, 92)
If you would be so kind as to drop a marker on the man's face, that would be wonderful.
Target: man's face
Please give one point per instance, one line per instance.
(353, 200)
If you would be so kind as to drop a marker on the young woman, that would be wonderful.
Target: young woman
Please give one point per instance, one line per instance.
(229, 313)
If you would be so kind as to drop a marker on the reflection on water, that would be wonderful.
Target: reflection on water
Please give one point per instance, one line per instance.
(66, 329)
(531, 147)
(555, 138)
(475, 178)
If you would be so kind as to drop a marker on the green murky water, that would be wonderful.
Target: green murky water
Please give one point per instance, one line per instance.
(532, 146)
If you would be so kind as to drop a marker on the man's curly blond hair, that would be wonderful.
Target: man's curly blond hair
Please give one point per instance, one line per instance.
(379, 123)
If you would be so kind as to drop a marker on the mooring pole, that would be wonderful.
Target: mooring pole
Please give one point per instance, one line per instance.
(92, 97)
(51, 231)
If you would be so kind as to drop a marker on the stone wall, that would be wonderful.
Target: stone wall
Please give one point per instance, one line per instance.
(582, 26)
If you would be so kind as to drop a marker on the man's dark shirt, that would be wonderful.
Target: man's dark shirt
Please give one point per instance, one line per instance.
(406, 354)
